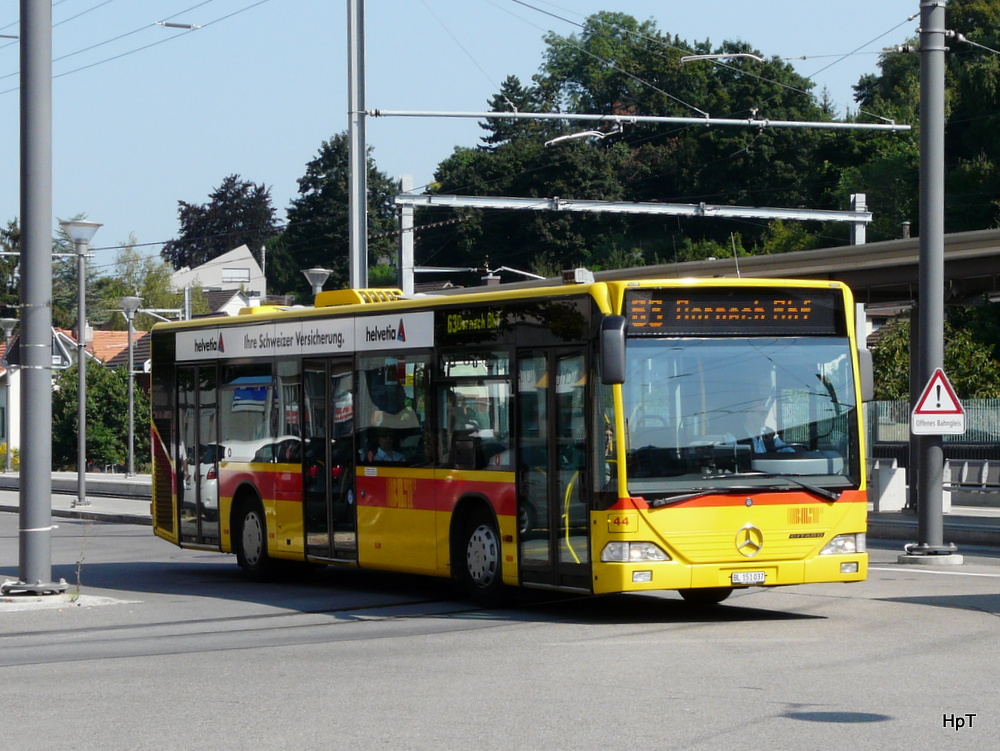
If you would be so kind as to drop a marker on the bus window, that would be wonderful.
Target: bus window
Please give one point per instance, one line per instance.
(245, 400)
(392, 409)
(475, 410)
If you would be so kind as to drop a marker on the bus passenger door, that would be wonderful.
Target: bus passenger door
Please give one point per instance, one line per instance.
(553, 518)
(328, 460)
(197, 455)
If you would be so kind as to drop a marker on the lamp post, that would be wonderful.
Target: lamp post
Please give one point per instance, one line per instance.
(317, 278)
(81, 232)
(8, 325)
(129, 306)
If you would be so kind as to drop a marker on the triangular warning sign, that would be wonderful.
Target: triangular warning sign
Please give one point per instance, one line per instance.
(938, 397)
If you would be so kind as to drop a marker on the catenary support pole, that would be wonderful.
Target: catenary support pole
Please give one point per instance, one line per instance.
(930, 353)
(357, 145)
(35, 533)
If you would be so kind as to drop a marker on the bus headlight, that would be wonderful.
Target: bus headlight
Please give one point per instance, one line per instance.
(632, 552)
(844, 545)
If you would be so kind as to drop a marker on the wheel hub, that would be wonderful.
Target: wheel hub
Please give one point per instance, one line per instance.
(483, 556)
(253, 539)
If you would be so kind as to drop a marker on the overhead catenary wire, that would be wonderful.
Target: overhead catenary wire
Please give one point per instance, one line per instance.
(721, 63)
(142, 48)
(161, 243)
(744, 71)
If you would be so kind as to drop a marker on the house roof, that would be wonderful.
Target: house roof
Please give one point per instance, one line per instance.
(140, 350)
(219, 298)
(428, 287)
(111, 347)
(238, 266)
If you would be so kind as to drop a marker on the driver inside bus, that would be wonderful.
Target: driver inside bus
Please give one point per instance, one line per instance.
(762, 438)
(386, 448)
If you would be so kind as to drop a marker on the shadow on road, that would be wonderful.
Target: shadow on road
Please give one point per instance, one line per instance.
(170, 572)
(329, 590)
(982, 603)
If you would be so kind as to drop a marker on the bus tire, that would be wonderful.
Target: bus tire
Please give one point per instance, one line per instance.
(706, 596)
(481, 557)
(250, 541)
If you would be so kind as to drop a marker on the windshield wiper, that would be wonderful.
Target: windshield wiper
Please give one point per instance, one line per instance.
(829, 495)
(699, 492)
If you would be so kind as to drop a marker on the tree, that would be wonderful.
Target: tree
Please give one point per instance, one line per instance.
(619, 66)
(513, 97)
(10, 279)
(317, 232)
(107, 402)
(239, 213)
(970, 366)
(140, 275)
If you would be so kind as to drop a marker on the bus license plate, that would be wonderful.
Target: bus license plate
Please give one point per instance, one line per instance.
(748, 577)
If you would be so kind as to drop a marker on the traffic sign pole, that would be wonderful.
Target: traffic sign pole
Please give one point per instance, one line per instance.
(930, 353)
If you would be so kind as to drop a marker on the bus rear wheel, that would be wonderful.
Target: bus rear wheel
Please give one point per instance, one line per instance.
(481, 564)
(250, 539)
(707, 596)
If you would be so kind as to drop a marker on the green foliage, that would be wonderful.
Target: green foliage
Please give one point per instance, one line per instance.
(619, 66)
(317, 233)
(10, 281)
(383, 275)
(239, 213)
(107, 430)
(971, 368)
(140, 275)
(891, 361)
(15, 458)
(785, 237)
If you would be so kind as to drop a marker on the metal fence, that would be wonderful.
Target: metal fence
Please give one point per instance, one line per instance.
(888, 425)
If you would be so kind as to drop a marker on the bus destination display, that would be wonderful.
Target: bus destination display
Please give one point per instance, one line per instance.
(709, 312)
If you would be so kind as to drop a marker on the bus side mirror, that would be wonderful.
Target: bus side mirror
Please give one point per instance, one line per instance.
(866, 372)
(613, 350)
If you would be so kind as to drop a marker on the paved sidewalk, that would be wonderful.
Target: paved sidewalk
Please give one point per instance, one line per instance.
(112, 498)
(116, 498)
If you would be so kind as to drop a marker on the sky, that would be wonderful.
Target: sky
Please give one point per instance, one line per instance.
(145, 116)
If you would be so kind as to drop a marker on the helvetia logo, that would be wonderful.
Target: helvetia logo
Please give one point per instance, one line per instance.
(222, 347)
(386, 334)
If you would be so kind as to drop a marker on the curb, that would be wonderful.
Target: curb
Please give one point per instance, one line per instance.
(959, 533)
(136, 488)
(97, 516)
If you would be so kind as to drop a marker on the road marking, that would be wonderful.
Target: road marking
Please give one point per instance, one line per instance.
(919, 569)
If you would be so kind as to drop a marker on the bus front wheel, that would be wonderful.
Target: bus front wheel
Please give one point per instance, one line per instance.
(251, 542)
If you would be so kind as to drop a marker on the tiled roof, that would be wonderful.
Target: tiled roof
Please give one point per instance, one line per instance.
(111, 347)
(140, 351)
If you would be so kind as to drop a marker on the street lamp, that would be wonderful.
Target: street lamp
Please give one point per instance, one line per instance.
(317, 278)
(129, 306)
(80, 233)
(8, 325)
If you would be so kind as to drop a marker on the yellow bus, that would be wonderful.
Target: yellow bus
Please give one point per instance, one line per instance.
(697, 435)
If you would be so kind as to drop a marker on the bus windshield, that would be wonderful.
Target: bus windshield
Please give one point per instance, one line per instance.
(709, 413)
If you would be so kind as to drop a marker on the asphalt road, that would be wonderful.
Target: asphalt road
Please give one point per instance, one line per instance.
(171, 649)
